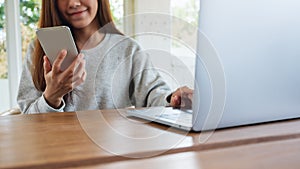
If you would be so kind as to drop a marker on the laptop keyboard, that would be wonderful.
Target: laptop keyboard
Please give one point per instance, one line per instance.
(181, 117)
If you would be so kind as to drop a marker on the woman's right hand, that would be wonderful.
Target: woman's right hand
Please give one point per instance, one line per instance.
(59, 83)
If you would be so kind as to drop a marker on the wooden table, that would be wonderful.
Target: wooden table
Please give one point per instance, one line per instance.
(274, 155)
(108, 139)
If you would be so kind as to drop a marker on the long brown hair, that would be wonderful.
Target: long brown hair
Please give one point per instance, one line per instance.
(50, 16)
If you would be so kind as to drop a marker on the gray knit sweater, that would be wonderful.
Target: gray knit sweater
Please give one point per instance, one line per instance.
(119, 75)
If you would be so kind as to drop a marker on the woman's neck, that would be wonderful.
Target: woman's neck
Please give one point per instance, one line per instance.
(88, 37)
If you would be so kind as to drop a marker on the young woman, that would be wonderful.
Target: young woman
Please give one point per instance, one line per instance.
(112, 71)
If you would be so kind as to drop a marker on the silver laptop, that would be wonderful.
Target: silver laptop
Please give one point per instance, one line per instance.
(247, 66)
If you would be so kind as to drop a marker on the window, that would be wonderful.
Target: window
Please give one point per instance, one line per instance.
(187, 31)
(4, 103)
(179, 9)
(29, 17)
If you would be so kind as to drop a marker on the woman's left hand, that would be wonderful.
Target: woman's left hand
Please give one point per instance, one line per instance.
(182, 98)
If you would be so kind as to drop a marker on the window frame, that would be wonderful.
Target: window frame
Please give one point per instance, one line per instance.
(13, 48)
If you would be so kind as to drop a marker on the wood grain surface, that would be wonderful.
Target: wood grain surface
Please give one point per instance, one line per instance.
(77, 139)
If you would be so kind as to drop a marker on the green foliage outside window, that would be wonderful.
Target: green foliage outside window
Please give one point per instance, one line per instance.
(2, 16)
(29, 11)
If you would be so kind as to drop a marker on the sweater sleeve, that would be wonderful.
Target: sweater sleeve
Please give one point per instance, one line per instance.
(148, 87)
(30, 100)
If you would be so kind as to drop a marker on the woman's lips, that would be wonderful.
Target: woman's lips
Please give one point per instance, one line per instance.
(77, 13)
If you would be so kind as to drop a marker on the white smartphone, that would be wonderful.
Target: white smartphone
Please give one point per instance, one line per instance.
(54, 39)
